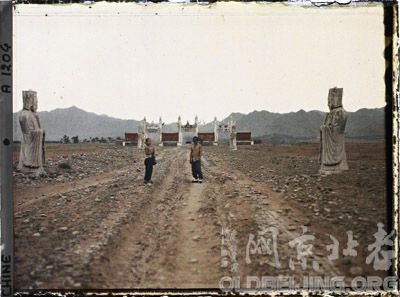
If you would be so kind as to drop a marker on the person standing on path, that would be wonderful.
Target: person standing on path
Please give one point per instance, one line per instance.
(196, 152)
(149, 161)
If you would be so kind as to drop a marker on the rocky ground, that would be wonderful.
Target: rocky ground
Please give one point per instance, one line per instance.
(92, 223)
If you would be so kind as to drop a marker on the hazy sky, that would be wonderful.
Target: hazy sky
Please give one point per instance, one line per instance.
(130, 60)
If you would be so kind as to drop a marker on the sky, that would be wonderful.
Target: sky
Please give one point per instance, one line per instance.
(130, 60)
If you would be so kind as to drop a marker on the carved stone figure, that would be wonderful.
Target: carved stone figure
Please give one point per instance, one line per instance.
(196, 126)
(332, 145)
(32, 152)
(142, 134)
(160, 130)
(232, 135)
(215, 131)
(232, 141)
(180, 137)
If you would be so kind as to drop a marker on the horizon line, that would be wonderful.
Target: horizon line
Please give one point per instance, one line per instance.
(233, 112)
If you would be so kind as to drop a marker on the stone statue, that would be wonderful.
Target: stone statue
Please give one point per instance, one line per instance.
(160, 128)
(232, 135)
(196, 125)
(32, 152)
(215, 131)
(332, 149)
(142, 134)
(180, 136)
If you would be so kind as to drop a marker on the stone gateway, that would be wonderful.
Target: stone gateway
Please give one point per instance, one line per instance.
(332, 147)
(32, 152)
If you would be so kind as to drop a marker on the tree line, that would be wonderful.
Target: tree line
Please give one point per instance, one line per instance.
(75, 139)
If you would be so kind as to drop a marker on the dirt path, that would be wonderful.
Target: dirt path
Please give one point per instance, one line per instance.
(168, 243)
(181, 237)
(194, 246)
(193, 253)
(26, 197)
(111, 231)
(245, 208)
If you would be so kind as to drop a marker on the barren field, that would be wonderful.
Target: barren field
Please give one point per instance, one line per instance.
(92, 223)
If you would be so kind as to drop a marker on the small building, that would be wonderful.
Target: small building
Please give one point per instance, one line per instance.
(244, 138)
(169, 139)
(207, 137)
(131, 138)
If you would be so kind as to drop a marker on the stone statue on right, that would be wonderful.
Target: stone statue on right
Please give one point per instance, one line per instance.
(332, 145)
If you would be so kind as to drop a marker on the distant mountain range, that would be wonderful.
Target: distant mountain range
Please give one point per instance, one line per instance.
(365, 124)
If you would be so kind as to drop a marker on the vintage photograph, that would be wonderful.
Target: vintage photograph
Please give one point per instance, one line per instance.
(229, 145)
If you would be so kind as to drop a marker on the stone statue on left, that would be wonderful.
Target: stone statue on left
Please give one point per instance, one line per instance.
(32, 152)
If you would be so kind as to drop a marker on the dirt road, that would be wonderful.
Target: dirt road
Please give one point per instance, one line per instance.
(109, 230)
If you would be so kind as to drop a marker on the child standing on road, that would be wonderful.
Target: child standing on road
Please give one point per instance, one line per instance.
(149, 161)
(196, 152)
